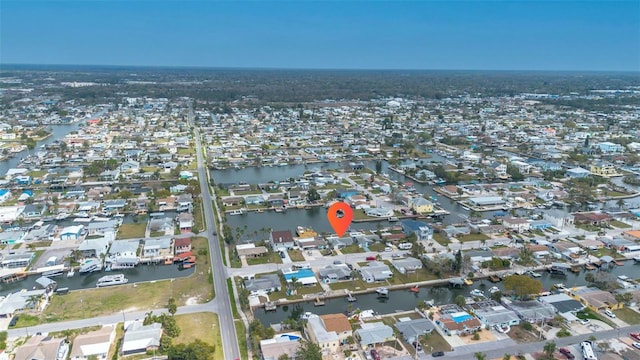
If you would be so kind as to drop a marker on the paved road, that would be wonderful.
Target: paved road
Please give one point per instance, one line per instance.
(498, 349)
(231, 350)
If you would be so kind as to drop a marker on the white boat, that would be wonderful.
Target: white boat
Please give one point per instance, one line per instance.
(62, 216)
(476, 292)
(636, 259)
(52, 273)
(237, 212)
(533, 274)
(71, 273)
(90, 266)
(494, 289)
(392, 219)
(307, 315)
(110, 280)
(382, 292)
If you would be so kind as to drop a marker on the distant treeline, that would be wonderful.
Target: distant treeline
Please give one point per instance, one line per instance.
(296, 86)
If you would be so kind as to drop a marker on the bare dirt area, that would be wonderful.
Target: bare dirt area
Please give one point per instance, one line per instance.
(518, 334)
(485, 335)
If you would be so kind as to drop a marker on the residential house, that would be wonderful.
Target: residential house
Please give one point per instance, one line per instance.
(406, 265)
(94, 344)
(532, 310)
(577, 173)
(515, 224)
(94, 247)
(375, 271)
(114, 205)
(558, 219)
(423, 231)
(102, 228)
(161, 225)
(185, 203)
(306, 277)
(250, 250)
(33, 211)
(334, 273)
(458, 323)
(421, 205)
(282, 239)
(185, 222)
(4, 195)
(233, 201)
(123, 253)
(596, 219)
(11, 237)
(265, 284)
(492, 313)
(274, 349)
(130, 166)
(140, 338)
(71, 232)
(18, 260)
(374, 333)
(610, 148)
(182, 245)
(604, 169)
(596, 299)
(328, 341)
(41, 347)
(158, 248)
(411, 330)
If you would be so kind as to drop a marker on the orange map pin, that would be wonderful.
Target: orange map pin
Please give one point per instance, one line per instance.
(340, 216)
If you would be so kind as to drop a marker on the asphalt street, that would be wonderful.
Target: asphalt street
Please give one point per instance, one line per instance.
(231, 350)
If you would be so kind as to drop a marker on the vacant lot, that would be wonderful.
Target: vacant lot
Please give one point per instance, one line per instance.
(131, 231)
(627, 315)
(518, 334)
(203, 326)
(82, 304)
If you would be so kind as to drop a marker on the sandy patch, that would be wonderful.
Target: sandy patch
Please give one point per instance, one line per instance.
(191, 301)
(485, 335)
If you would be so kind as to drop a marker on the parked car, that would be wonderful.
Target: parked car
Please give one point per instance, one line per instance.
(609, 313)
(371, 258)
(14, 321)
(437, 354)
(375, 355)
(567, 353)
(636, 336)
(636, 345)
(585, 321)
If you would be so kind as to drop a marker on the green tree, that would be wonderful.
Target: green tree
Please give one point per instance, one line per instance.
(522, 285)
(506, 357)
(480, 356)
(548, 349)
(172, 306)
(308, 351)
(313, 195)
(196, 350)
(378, 166)
(460, 300)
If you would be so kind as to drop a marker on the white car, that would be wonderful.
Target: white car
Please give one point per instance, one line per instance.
(609, 313)
(636, 345)
(585, 321)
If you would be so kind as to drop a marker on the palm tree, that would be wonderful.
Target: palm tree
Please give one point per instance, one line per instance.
(34, 300)
(480, 356)
(506, 357)
(620, 203)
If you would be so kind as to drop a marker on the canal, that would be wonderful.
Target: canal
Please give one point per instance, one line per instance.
(403, 300)
(141, 273)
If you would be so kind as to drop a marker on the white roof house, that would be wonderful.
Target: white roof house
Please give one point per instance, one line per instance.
(139, 338)
(93, 343)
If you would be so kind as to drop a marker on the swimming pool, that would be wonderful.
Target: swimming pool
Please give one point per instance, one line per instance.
(460, 317)
(290, 336)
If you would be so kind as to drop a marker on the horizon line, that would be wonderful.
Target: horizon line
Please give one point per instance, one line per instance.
(267, 68)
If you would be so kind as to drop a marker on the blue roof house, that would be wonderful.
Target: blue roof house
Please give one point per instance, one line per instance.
(423, 231)
(4, 195)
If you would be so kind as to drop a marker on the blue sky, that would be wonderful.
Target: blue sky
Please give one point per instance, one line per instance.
(477, 35)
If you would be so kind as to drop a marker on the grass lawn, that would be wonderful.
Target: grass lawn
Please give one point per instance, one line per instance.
(242, 341)
(296, 255)
(627, 315)
(590, 314)
(37, 244)
(441, 239)
(188, 151)
(419, 275)
(37, 174)
(204, 326)
(473, 237)
(354, 285)
(81, 304)
(377, 246)
(351, 249)
(619, 224)
(198, 220)
(131, 230)
(434, 342)
(271, 257)
(358, 214)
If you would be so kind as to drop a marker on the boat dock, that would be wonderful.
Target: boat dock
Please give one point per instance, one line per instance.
(318, 302)
(270, 306)
(350, 297)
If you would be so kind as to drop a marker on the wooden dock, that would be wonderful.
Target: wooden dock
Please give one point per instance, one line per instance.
(351, 298)
(270, 306)
(318, 302)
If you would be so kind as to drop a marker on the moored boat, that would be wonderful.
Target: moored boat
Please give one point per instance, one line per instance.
(414, 289)
(382, 292)
(110, 280)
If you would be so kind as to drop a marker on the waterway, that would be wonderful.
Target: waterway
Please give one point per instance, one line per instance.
(141, 273)
(403, 300)
(58, 132)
